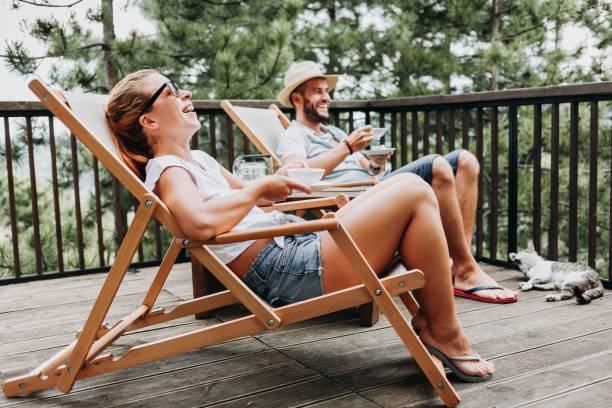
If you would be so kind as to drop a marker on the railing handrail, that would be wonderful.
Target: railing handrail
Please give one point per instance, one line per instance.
(510, 96)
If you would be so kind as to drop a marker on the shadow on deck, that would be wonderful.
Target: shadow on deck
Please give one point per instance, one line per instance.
(546, 354)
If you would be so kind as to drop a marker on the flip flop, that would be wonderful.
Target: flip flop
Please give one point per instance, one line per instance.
(448, 362)
(469, 294)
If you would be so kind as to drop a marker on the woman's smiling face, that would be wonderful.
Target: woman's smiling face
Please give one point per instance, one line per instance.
(169, 115)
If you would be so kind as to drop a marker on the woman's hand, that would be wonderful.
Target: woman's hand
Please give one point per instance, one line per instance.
(277, 188)
(360, 138)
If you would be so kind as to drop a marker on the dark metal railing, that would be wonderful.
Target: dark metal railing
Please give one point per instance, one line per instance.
(528, 141)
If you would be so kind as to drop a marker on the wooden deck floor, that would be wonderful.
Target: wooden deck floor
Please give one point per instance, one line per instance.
(546, 354)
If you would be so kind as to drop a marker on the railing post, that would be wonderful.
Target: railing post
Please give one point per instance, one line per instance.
(512, 178)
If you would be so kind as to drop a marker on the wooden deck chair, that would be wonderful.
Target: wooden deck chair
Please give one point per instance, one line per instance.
(264, 128)
(84, 357)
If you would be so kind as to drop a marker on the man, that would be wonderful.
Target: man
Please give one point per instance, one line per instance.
(453, 177)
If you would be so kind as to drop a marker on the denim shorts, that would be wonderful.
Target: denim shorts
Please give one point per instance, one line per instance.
(282, 276)
(423, 167)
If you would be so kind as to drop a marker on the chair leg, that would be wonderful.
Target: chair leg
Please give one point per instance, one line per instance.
(204, 283)
(369, 314)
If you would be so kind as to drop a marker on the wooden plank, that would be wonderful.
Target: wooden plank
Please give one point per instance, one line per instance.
(346, 401)
(593, 153)
(553, 220)
(595, 395)
(403, 135)
(158, 387)
(77, 201)
(504, 332)
(42, 287)
(43, 322)
(536, 236)
(426, 133)
(439, 135)
(62, 296)
(56, 203)
(414, 121)
(331, 326)
(494, 191)
(481, 160)
(11, 194)
(48, 344)
(543, 382)
(331, 355)
(519, 377)
(34, 199)
(377, 365)
(300, 394)
(205, 387)
(523, 95)
(573, 184)
(14, 365)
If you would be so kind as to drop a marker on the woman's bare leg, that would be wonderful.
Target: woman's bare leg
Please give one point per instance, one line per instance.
(401, 213)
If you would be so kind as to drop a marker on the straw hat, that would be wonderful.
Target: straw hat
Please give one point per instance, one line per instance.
(297, 74)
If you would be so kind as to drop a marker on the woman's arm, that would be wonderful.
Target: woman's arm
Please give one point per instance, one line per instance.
(233, 180)
(202, 220)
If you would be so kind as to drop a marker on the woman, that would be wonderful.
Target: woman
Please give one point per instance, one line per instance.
(153, 121)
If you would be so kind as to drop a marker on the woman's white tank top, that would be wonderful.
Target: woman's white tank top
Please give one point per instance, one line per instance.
(211, 184)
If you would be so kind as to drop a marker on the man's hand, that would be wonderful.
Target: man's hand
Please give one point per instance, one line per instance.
(296, 164)
(378, 162)
(360, 138)
(277, 188)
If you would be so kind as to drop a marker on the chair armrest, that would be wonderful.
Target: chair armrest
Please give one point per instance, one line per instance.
(327, 224)
(337, 201)
(363, 183)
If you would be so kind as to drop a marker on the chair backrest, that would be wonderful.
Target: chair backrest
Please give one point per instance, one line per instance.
(84, 117)
(89, 108)
(262, 126)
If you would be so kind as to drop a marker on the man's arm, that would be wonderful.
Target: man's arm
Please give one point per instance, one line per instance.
(359, 139)
(327, 161)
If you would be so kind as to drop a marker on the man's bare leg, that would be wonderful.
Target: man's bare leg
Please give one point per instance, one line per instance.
(466, 271)
(466, 187)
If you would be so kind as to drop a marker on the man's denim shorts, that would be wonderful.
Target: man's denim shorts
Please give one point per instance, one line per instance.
(282, 276)
(423, 167)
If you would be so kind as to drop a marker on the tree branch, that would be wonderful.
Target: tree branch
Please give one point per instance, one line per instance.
(35, 3)
(41, 57)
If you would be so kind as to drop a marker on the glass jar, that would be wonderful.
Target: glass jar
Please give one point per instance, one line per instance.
(250, 167)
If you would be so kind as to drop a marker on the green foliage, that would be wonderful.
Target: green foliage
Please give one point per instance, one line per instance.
(241, 49)
(224, 49)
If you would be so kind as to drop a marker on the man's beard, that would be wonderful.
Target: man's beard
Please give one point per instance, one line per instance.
(311, 113)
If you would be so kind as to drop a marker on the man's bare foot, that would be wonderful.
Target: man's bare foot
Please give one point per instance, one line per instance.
(453, 343)
(471, 276)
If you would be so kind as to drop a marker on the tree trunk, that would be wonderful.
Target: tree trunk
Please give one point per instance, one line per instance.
(111, 75)
(494, 33)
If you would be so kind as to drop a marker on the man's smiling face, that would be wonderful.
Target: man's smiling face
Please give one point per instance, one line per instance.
(316, 100)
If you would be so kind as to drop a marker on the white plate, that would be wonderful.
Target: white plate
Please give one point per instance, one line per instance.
(381, 151)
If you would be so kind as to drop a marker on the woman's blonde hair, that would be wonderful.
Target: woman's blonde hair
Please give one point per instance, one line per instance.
(123, 111)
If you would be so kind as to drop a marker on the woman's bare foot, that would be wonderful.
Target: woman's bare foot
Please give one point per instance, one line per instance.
(454, 343)
(471, 275)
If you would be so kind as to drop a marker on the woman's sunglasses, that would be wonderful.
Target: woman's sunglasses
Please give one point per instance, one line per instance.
(174, 87)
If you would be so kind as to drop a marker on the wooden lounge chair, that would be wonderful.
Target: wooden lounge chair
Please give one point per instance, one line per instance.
(264, 128)
(84, 357)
